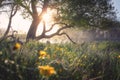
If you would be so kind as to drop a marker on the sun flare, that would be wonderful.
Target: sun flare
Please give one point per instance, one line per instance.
(47, 17)
(49, 20)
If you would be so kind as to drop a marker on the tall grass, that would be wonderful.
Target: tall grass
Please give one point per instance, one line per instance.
(86, 61)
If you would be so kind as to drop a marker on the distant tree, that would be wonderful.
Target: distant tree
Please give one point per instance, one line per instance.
(12, 10)
(69, 13)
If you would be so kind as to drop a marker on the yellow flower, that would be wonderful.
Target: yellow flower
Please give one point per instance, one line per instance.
(46, 71)
(17, 46)
(43, 55)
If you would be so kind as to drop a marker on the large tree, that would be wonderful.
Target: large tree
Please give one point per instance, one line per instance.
(69, 13)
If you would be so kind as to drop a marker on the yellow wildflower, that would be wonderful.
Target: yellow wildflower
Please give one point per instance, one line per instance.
(119, 56)
(43, 55)
(46, 71)
(17, 46)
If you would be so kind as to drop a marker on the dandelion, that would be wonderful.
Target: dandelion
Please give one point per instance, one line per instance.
(17, 46)
(43, 55)
(46, 71)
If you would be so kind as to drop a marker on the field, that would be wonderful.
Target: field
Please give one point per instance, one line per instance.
(46, 61)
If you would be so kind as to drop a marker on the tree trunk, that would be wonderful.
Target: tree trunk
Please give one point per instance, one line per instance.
(33, 28)
(36, 19)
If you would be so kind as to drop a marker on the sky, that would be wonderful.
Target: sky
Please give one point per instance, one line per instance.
(18, 23)
(116, 4)
(22, 25)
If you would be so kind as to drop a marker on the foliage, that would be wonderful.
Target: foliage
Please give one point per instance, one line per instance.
(93, 61)
(87, 12)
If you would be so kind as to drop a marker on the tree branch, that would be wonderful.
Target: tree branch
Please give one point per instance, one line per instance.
(56, 33)
(6, 4)
(44, 28)
(12, 13)
(62, 28)
(28, 10)
(49, 36)
(10, 20)
(59, 23)
(67, 37)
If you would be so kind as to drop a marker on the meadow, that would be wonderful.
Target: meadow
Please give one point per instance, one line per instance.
(45, 61)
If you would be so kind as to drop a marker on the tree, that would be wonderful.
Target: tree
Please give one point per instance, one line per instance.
(12, 11)
(90, 12)
(69, 13)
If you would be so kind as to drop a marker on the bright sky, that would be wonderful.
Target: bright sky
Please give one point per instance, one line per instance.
(18, 23)
(117, 7)
(22, 25)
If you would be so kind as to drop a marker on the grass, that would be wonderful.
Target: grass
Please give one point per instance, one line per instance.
(86, 61)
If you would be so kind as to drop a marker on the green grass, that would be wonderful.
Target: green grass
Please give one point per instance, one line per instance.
(86, 61)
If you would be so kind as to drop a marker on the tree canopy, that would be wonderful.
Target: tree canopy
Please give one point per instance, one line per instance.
(90, 12)
(69, 13)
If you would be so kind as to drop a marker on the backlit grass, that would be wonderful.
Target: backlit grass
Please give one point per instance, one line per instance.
(42, 61)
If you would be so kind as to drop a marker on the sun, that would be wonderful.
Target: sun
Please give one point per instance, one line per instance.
(49, 20)
(47, 17)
